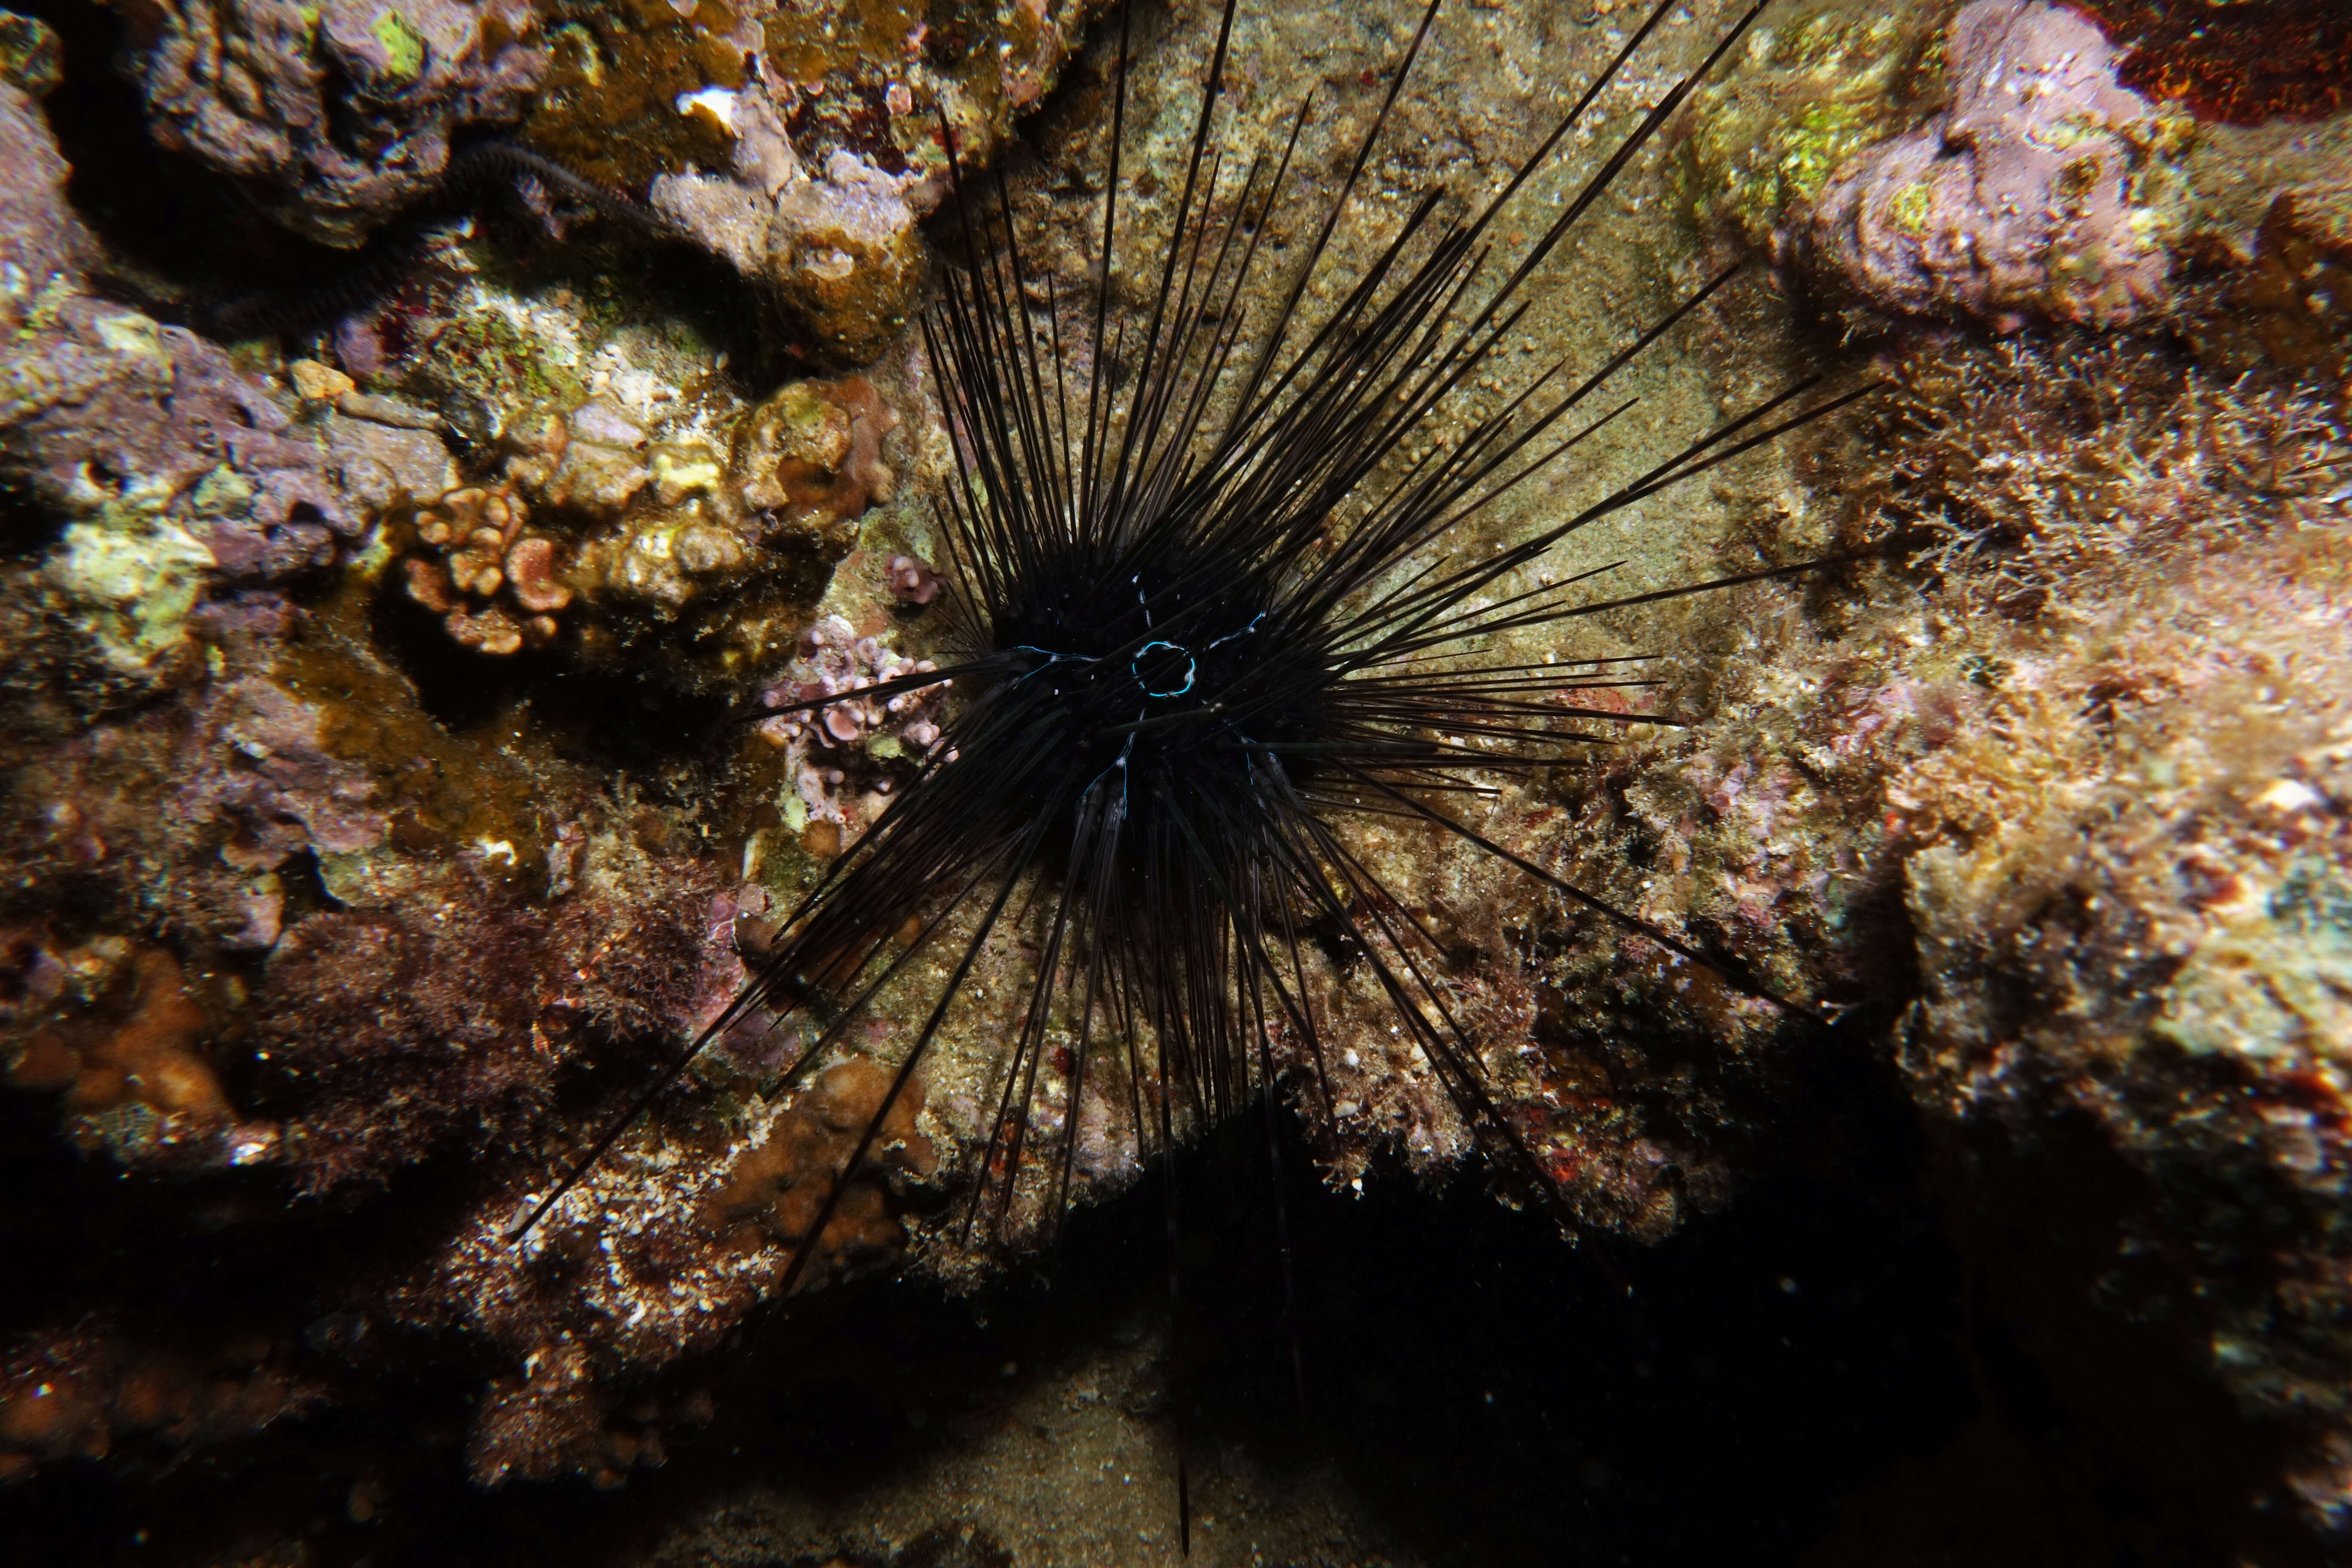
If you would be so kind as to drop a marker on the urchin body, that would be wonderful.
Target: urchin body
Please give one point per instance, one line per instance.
(1202, 603)
(1199, 612)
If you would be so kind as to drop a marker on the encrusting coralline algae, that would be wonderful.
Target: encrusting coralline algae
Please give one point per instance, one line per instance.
(393, 784)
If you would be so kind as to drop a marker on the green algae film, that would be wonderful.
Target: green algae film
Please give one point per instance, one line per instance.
(442, 792)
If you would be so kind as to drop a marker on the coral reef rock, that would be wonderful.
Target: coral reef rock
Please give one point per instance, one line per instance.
(596, 522)
(337, 114)
(2006, 163)
(840, 248)
(420, 728)
(2134, 909)
(799, 143)
(833, 232)
(173, 470)
(2018, 200)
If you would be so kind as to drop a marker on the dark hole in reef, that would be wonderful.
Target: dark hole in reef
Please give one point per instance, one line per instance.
(304, 888)
(1798, 1376)
(175, 230)
(589, 713)
(28, 528)
(166, 1258)
(347, 126)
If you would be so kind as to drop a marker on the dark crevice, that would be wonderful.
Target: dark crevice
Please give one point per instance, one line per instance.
(173, 230)
(1483, 1390)
(620, 719)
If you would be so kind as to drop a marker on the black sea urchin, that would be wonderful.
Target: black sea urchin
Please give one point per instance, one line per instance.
(1203, 611)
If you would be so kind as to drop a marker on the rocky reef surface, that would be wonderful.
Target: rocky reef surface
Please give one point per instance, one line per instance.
(386, 666)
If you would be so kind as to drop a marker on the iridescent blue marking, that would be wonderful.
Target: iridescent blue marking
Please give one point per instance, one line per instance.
(1134, 667)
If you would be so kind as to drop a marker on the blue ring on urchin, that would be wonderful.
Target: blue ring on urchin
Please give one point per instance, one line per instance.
(1144, 681)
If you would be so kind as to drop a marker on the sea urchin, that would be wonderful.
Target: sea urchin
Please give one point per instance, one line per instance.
(1197, 583)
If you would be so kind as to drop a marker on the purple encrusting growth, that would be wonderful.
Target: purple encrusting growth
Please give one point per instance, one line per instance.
(830, 744)
(2016, 201)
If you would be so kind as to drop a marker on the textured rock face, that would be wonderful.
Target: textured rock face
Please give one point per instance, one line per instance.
(173, 466)
(839, 245)
(339, 114)
(2018, 200)
(39, 236)
(2132, 915)
(800, 145)
(364, 878)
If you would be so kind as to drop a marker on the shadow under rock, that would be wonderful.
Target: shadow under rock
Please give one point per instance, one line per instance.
(1485, 1393)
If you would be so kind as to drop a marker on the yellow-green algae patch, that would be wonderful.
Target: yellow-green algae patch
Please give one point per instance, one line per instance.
(133, 576)
(403, 48)
(1816, 85)
(608, 109)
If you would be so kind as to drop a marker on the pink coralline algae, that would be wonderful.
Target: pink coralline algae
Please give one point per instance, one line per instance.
(912, 582)
(2015, 203)
(828, 747)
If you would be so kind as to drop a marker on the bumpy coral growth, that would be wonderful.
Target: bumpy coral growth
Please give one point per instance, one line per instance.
(912, 581)
(493, 585)
(809, 457)
(626, 524)
(339, 113)
(85, 1391)
(775, 1189)
(2016, 202)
